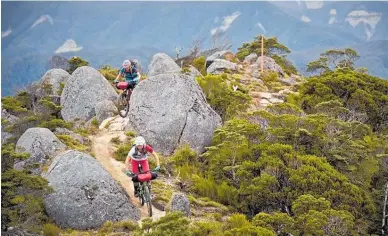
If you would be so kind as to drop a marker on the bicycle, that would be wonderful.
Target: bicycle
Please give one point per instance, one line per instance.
(145, 193)
(124, 98)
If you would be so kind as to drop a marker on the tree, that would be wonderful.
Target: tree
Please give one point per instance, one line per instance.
(332, 56)
(195, 48)
(76, 62)
(333, 59)
(319, 66)
(272, 48)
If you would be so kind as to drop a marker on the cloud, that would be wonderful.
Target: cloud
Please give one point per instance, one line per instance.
(357, 17)
(69, 46)
(314, 4)
(6, 33)
(305, 18)
(42, 19)
(261, 27)
(333, 12)
(226, 23)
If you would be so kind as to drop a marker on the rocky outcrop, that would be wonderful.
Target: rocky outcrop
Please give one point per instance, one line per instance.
(219, 66)
(169, 110)
(105, 109)
(268, 65)
(161, 63)
(85, 194)
(50, 83)
(251, 58)
(84, 89)
(41, 144)
(216, 55)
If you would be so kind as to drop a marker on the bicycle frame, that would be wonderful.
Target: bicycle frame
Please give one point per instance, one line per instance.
(143, 187)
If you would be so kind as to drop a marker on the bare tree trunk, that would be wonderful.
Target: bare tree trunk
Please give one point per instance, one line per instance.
(384, 221)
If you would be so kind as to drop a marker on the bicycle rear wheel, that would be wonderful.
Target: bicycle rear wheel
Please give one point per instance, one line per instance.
(147, 194)
(123, 105)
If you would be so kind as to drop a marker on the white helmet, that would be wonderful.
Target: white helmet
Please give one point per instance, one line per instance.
(126, 63)
(140, 141)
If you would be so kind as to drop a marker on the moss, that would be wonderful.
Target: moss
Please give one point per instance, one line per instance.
(4, 121)
(126, 226)
(121, 153)
(185, 70)
(82, 131)
(61, 87)
(95, 122)
(206, 202)
(72, 143)
(131, 134)
(50, 105)
(228, 71)
(50, 230)
(18, 200)
(56, 123)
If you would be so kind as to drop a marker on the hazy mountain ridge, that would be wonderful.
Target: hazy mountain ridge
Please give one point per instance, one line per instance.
(115, 30)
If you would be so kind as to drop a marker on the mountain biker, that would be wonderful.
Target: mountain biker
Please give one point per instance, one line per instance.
(130, 72)
(138, 155)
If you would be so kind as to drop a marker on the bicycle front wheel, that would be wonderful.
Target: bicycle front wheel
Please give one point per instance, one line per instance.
(147, 194)
(123, 105)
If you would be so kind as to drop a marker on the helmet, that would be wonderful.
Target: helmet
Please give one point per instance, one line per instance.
(140, 141)
(126, 63)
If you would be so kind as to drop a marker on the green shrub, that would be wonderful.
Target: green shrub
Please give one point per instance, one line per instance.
(95, 122)
(72, 142)
(56, 123)
(13, 105)
(27, 210)
(226, 102)
(200, 64)
(109, 72)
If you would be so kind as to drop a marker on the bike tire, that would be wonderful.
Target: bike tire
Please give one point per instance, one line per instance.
(141, 195)
(147, 194)
(123, 105)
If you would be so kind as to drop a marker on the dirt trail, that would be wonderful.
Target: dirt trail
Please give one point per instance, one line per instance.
(103, 151)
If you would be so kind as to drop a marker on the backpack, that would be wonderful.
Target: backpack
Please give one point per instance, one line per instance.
(144, 151)
(135, 64)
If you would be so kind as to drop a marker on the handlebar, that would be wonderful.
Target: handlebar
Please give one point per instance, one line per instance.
(131, 174)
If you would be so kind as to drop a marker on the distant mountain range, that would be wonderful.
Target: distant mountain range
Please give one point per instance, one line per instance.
(108, 32)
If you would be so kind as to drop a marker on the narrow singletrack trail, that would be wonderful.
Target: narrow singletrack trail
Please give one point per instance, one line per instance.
(103, 150)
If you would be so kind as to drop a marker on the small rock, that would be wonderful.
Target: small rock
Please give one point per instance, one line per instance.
(250, 58)
(179, 202)
(265, 95)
